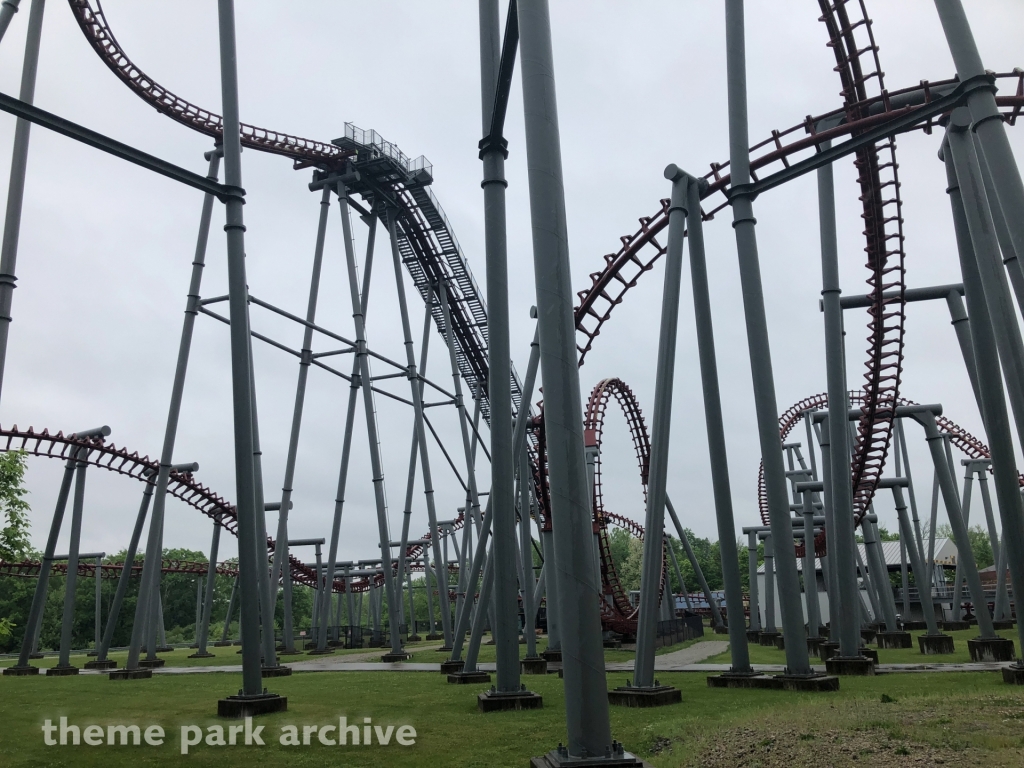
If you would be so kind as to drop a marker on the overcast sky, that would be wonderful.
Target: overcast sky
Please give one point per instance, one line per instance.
(106, 247)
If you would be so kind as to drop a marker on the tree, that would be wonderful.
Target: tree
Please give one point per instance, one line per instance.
(14, 540)
(980, 544)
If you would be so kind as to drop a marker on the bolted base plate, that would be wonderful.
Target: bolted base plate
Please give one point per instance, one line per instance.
(553, 655)
(151, 663)
(559, 758)
(991, 649)
(935, 645)
(493, 701)
(894, 640)
(278, 671)
(17, 671)
(60, 671)
(130, 674)
(105, 664)
(467, 678)
(448, 666)
(827, 649)
(954, 626)
(391, 658)
(850, 665)
(534, 665)
(767, 639)
(238, 707)
(1013, 674)
(198, 655)
(655, 696)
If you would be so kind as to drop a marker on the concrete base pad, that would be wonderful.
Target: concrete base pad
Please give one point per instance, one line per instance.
(492, 701)
(954, 626)
(847, 665)
(816, 683)
(223, 643)
(238, 707)
(827, 649)
(164, 648)
(198, 655)
(780, 642)
(59, 671)
(449, 666)
(151, 663)
(533, 665)
(278, 671)
(434, 636)
(36, 656)
(868, 635)
(871, 653)
(813, 643)
(105, 664)
(17, 671)
(467, 678)
(894, 640)
(553, 655)
(753, 635)
(721, 629)
(414, 638)
(391, 658)
(767, 639)
(559, 758)
(1013, 674)
(655, 696)
(295, 652)
(991, 649)
(915, 626)
(324, 652)
(130, 674)
(935, 645)
(732, 680)
(1002, 623)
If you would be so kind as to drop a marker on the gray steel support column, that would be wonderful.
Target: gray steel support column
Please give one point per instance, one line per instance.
(125, 578)
(353, 616)
(835, 615)
(35, 614)
(652, 564)
(1010, 255)
(933, 522)
(904, 577)
(317, 619)
(268, 596)
(958, 578)
(67, 625)
(962, 326)
(211, 581)
(369, 408)
(346, 443)
(994, 410)
(797, 661)
(245, 483)
(755, 606)
(585, 682)
(716, 614)
(7, 10)
(716, 434)
(480, 617)
(879, 575)
(976, 210)
(918, 538)
(993, 537)
(551, 593)
(769, 585)
(678, 572)
(199, 606)
(869, 587)
(16, 185)
(525, 512)
(99, 603)
(842, 547)
(281, 543)
(987, 123)
(428, 571)
(921, 573)
(462, 622)
(947, 485)
(231, 610)
(810, 572)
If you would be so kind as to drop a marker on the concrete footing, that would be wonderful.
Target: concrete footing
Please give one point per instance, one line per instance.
(434, 636)
(767, 639)
(871, 653)
(391, 658)
(553, 655)
(449, 666)
(1014, 674)
(238, 707)
(721, 629)
(827, 649)
(223, 643)
(318, 652)
(894, 640)
(655, 696)
(935, 645)
(105, 664)
(1002, 623)
(559, 758)
(813, 643)
(151, 663)
(59, 671)
(734, 680)
(206, 655)
(278, 671)
(413, 638)
(494, 701)
(17, 671)
(130, 674)
(467, 678)
(534, 665)
(816, 683)
(850, 665)
(780, 642)
(867, 634)
(915, 626)
(954, 626)
(753, 635)
(991, 649)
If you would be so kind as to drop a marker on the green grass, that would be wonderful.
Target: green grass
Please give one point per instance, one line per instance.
(948, 715)
(765, 655)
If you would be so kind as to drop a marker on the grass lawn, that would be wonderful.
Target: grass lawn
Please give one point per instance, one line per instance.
(912, 719)
(764, 655)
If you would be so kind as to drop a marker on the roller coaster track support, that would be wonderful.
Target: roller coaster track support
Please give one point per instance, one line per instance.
(657, 477)
(797, 660)
(716, 435)
(16, 188)
(840, 528)
(965, 200)
(586, 687)
(503, 461)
